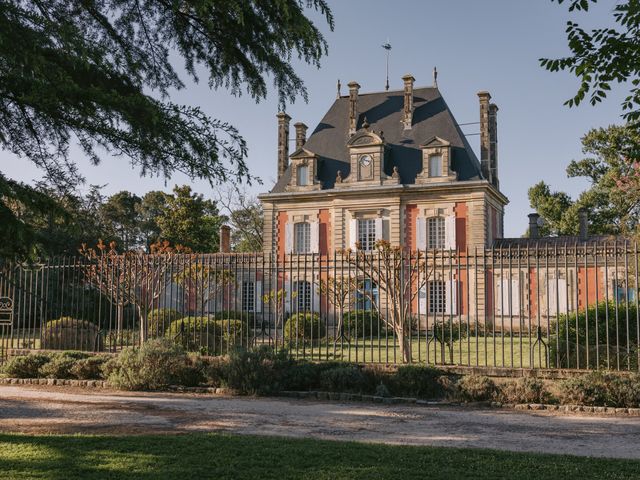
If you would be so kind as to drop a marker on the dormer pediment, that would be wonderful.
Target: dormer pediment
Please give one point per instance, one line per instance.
(302, 153)
(365, 138)
(435, 142)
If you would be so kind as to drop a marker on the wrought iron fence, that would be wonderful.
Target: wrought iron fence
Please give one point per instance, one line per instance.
(551, 305)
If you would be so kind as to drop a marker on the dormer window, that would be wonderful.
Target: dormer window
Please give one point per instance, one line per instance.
(435, 166)
(302, 175)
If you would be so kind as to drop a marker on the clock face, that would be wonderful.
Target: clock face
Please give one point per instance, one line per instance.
(365, 160)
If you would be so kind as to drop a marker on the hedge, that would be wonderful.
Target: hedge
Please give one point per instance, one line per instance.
(302, 328)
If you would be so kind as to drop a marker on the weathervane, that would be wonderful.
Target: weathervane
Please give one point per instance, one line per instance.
(387, 47)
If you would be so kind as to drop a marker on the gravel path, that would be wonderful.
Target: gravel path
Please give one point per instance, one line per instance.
(39, 409)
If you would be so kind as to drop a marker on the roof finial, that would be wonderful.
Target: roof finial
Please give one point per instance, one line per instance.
(387, 47)
(339, 85)
(365, 123)
(435, 77)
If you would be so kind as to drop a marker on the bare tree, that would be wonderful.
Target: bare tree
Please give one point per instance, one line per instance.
(246, 218)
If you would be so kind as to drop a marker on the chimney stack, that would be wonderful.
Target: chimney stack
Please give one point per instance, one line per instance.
(225, 239)
(533, 225)
(407, 116)
(583, 215)
(301, 134)
(493, 143)
(485, 143)
(353, 107)
(283, 143)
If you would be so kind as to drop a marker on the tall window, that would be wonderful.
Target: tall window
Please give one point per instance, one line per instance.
(303, 290)
(435, 232)
(437, 297)
(303, 175)
(302, 234)
(248, 296)
(435, 166)
(367, 234)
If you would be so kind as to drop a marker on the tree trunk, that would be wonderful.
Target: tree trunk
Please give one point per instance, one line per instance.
(144, 327)
(405, 343)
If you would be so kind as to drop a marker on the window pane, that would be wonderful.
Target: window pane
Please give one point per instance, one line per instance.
(303, 175)
(435, 166)
(248, 296)
(303, 289)
(302, 237)
(435, 232)
(437, 300)
(367, 234)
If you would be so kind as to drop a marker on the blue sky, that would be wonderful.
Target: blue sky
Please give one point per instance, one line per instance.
(476, 45)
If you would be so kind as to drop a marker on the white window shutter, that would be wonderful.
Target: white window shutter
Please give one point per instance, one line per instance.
(315, 237)
(451, 297)
(421, 233)
(258, 297)
(353, 233)
(502, 303)
(315, 298)
(422, 300)
(288, 237)
(379, 232)
(288, 303)
(562, 294)
(515, 296)
(450, 232)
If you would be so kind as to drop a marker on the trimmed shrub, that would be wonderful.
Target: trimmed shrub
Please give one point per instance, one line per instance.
(25, 366)
(197, 334)
(450, 332)
(347, 378)
(159, 319)
(601, 389)
(579, 344)
(302, 328)
(362, 323)
(247, 318)
(417, 381)
(61, 364)
(256, 372)
(525, 390)
(67, 333)
(154, 366)
(476, 388)
(234, 332)
(90, 368)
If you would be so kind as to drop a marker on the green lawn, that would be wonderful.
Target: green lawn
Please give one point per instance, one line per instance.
(202, 456)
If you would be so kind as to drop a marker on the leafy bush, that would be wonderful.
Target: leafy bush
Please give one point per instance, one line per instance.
(525, 390)
(302, 328)
(579, 345)
(476, 388)
(247, 318)
(159, 319)
(601, 389)
(417, 381)
(256, 372)
(90, 368)
(362, 323)
(450, 332)
(234, 332)
(154, 366)
(197, 334)
(61, 364)
(25, 366)
(67, 333)
(347, 378)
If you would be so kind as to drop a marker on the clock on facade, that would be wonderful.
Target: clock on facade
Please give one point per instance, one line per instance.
(365, 160)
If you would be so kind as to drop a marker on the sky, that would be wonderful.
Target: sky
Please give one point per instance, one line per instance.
(476, 45)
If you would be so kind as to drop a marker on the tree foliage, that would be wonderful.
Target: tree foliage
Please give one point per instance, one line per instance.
(603, 56)
(613, 197)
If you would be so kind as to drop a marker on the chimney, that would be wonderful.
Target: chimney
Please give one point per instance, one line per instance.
(283, 143)
(493, 143)
(301, 134)
(225, 239)
(407, 117)
(485, 143)
(353, 107)
(533, 225)
(583, 215)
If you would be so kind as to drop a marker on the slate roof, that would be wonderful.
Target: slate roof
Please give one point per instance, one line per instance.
(383, 111)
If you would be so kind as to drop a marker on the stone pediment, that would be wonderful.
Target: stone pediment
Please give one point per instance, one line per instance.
(435, 142)
(302, 153)
(365, 138)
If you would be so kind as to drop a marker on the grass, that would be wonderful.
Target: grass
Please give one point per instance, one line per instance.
(217, 456)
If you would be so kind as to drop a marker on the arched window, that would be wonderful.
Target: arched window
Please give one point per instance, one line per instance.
(302, 175)
(435, 166)
(435, 232)
(302, 237)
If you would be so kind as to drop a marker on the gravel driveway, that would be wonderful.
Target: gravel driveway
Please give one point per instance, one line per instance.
(40, 409)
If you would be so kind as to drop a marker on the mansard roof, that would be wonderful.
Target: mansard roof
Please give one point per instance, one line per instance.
(384, 112)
